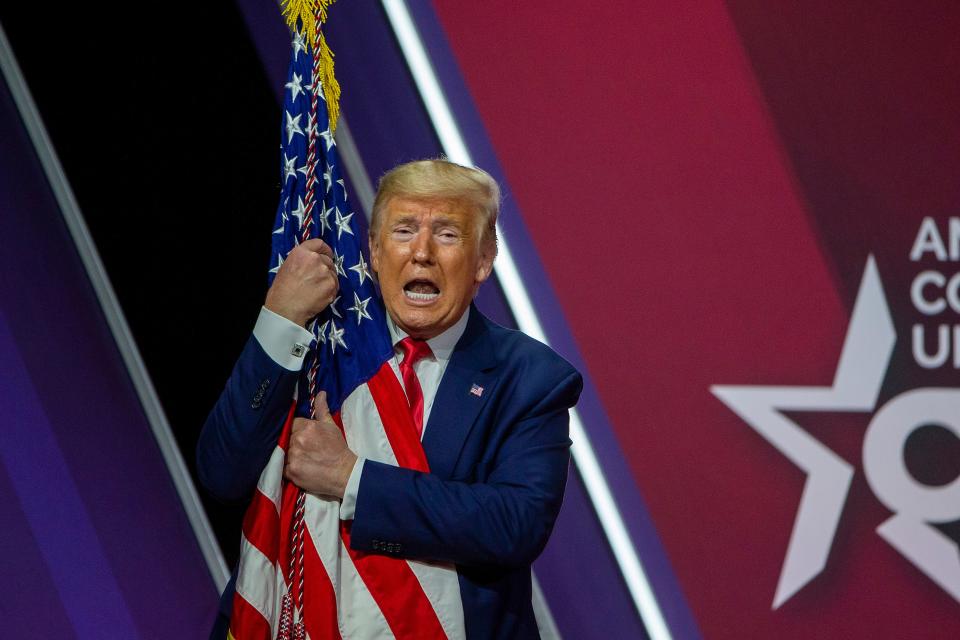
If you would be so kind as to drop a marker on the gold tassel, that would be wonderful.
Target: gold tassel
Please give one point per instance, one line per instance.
(301, 17)
(331, 88)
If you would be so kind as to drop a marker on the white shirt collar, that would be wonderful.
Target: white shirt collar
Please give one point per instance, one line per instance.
(441, 345)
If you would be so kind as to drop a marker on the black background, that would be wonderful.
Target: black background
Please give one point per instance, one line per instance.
(168, 131)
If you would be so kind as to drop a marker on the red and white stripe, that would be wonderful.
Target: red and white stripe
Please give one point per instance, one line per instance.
(347, 594)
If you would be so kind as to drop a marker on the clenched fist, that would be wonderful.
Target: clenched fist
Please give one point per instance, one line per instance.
(318, 460)
(305, 283)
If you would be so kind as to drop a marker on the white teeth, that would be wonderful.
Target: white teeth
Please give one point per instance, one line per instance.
(413, 295)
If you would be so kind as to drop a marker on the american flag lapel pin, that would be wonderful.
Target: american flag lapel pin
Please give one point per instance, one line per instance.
(476, 390)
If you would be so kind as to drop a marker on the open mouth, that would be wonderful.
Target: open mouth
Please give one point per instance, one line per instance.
(421, 290)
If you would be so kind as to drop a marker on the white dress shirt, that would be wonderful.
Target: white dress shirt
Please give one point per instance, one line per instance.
(286, 342)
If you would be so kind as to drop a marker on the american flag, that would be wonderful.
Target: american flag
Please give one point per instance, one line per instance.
(298, 576)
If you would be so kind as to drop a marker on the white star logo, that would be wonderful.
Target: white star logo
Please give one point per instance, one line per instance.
(333, 307)
(856, 385)
(336, 338)
(360, 308)
(295, 87)
(293, 126)
(342, 186)
(343, 224)
(361, 269)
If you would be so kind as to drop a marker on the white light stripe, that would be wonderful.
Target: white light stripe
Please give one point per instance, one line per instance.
(596, 484)
(117, 322)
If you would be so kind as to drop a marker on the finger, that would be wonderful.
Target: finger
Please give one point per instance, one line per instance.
(299, 424)
(321, 410)
(326, 260)
(316, 245)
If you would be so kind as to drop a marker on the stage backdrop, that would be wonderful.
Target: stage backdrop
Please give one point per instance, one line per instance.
(729, 196)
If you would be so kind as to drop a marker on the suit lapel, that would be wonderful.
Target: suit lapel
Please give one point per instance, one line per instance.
(466, 386)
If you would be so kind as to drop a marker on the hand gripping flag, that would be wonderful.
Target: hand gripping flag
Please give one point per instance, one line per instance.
(298, 577)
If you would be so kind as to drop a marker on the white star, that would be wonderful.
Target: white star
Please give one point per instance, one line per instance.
(336, 337)
(342, 186)
(283, 218)
(279, 264)
(288, 169)
(303, 170)
(325, 219)
(333, 307)
(295, 87)
(318, 88)
(343, 224)
(293, 126)
(856, 385)
(338, 265)
(361, 269)
(328, 178)
(311, 130)
(328, 138)
(360, 308)
(322, 333)
(300, 212)
(298, 44)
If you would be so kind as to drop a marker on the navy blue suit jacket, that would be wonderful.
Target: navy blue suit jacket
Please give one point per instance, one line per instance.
(498, 466)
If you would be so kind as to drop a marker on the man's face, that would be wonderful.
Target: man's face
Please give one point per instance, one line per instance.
(429, 260)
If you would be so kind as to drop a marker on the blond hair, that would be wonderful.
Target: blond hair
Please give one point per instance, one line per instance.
(440, 179)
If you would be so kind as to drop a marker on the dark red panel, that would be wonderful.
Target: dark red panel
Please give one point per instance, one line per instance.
(687, 249)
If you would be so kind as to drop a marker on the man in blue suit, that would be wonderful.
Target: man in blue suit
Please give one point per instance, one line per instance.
(492, 403)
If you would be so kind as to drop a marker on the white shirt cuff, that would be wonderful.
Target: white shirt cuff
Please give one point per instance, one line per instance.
(285, 341)
(348, 506)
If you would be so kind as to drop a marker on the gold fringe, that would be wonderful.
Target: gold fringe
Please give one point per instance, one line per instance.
(331, 88)
(299, 15)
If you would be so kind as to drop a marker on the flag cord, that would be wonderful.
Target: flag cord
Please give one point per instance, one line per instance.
(291, 617)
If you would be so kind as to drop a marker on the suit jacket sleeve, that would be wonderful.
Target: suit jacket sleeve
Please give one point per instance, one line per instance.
(242, 429)
(503, 516)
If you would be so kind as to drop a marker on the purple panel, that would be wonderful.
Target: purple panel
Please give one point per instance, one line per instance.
(95, 492)
(54, 510)
(24, 559)
(585, 599)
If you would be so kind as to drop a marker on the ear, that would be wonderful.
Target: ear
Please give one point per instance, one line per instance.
(485, 265)
(374, 252)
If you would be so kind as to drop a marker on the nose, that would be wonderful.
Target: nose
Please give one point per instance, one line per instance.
(422, 247)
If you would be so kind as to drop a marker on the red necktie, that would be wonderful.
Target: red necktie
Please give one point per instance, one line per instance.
(413, 350)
